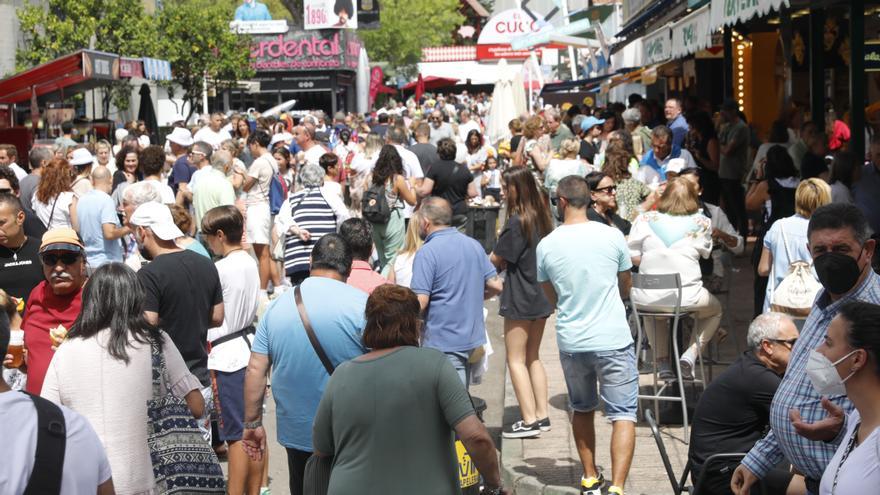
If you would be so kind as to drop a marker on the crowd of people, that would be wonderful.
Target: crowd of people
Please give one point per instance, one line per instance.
(324, 261)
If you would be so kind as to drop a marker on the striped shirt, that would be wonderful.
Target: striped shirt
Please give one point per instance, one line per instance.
(797, 392)
(313, 213)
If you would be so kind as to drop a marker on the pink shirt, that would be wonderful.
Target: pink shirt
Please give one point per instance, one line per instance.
(364, 278)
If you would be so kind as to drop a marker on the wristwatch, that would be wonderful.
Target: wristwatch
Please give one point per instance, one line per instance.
(252, 425)
(498, 490)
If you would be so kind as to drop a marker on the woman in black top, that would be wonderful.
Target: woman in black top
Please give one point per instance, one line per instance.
(603, 202)
(702, 142)
(776, 181)
(523, 305)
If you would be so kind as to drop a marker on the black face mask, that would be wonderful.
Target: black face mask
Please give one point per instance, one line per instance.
(838, 273)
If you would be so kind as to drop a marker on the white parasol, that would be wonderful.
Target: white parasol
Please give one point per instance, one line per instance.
(508, 103)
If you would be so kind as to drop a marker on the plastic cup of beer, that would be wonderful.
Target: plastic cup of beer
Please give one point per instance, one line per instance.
(16, 348)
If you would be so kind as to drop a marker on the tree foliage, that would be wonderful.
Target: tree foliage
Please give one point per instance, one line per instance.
(193, 35)
(406, 27)
(197, 44)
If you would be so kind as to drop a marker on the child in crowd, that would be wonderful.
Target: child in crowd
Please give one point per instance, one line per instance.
(492, 179)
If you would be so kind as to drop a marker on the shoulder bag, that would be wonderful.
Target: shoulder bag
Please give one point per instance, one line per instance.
(316, 478)
(48, 467)
(796, 292)
(183, 462)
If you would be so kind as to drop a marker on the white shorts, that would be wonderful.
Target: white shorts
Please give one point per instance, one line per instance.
(259, 222)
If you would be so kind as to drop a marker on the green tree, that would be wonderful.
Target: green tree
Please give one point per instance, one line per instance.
(407, 26)
(198, 43)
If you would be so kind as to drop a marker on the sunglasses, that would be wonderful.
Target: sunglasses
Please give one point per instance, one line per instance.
(5, 190)
(606, 190)
(52, 259)
(788, 342)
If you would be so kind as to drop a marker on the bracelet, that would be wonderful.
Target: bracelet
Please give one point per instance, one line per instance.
(252, 425)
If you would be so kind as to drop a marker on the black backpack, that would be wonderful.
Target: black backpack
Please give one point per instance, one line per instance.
(374, 206)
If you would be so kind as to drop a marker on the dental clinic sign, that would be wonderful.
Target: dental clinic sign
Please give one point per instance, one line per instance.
(656, 47)
(730, 12)
(305, 50)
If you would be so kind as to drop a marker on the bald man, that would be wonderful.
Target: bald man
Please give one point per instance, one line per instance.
(98, 222)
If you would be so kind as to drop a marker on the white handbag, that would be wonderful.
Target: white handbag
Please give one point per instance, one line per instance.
(796, 292)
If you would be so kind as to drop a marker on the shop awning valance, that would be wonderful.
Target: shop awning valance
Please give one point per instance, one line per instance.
(730, 12)
(657, 47)
(692, 33)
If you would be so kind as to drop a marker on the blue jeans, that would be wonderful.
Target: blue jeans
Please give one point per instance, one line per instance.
(611, 375)
(460, 362)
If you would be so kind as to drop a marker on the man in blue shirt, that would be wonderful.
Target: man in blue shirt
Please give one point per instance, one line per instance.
(252, 10)
(451, 277)
(98, 222)
(336, 313)
(806, 427)
(675, 121)
(584, 269)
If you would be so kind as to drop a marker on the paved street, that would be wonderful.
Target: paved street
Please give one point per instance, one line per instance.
(549, 464)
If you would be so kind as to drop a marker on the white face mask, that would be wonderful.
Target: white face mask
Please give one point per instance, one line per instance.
(824, 376)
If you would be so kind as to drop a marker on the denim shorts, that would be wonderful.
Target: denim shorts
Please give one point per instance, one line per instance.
(611, 375)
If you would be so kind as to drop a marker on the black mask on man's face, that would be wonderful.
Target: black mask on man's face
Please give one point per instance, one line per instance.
(837, 272)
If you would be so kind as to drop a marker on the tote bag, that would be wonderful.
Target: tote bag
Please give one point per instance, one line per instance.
(796, 292)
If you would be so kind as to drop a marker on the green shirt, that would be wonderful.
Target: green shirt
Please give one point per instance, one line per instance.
(561, 135)
(212, 190)
(389, 423)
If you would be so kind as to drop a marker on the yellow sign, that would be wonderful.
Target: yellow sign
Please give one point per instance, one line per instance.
(588, 101)
(467, 471)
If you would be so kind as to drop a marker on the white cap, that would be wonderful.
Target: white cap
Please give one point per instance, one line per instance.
(281, 136)
(157, 217)
(121, 134)
(144, 141)
(181, 136)
(675, 165)
(81, 156)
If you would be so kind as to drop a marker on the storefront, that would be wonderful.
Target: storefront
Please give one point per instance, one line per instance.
(317, 68)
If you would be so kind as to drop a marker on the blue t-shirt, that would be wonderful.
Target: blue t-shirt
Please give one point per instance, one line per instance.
(94, 209)
(198, 248)
(257, 12)
(336, 311)
(181, 171)
(582, 262)
(452, 269)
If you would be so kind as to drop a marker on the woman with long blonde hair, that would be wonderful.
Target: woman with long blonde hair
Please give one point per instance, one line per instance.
(359, 168)
(523, 304)
(400, 271)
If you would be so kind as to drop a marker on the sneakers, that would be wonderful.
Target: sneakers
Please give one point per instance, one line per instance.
(592, 485)
(522, 430)
(544, 424)
(615, 490)
(687, 369)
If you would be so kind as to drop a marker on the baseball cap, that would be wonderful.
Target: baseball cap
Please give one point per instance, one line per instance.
(180, 136)
(61, 239)
(81, 156)
(121, 134)
(590, 122)
(281, 136)
(676, 165)
(156, 217)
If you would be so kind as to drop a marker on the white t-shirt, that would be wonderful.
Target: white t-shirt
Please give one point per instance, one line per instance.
(314, 154)
(208, 135)
(165, 190)
(331, 187)
(60, 215)
(861, 471)
(403, 269)
(240, 280)
(262, 169)
(464, 129)
(19, 172)
(85, 463)
(411, 169)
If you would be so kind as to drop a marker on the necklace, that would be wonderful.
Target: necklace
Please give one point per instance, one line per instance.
(15, 251)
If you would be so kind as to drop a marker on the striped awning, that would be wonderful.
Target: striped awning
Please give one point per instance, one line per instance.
(449, 53)
(156, 69)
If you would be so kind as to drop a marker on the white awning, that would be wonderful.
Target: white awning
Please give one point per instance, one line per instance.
(478, 73)
(656, 47)
(692, 33)
(730, 12)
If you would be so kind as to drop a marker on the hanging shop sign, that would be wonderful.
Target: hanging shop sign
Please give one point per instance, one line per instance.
(656, 47)
(692, 33)
(730, 12)
(872, 56)
(500, 31)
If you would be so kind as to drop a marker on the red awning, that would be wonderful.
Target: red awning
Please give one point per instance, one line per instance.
(432, 82)
(70, 74)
